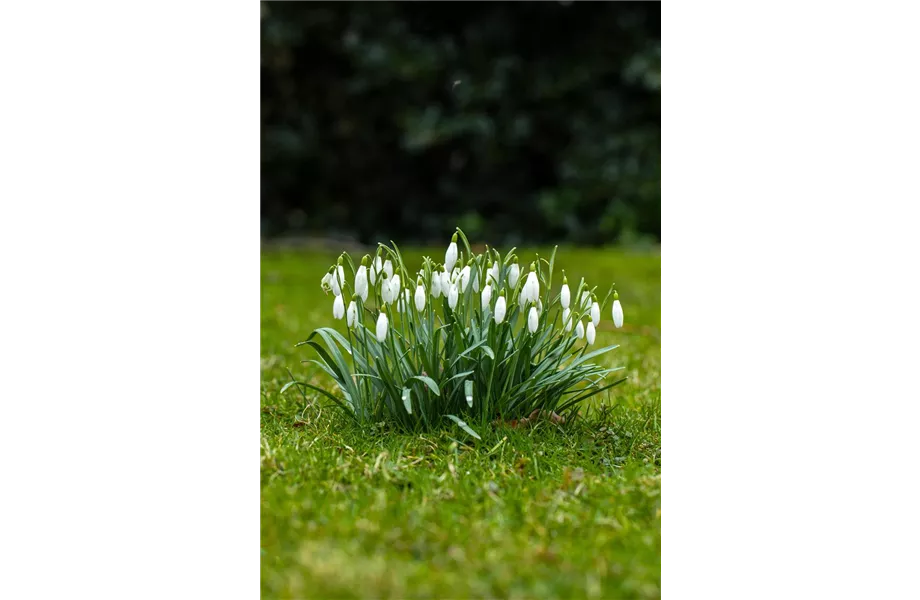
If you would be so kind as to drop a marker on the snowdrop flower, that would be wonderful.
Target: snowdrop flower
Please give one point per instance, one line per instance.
(388, 268)
(382, 325)
(338, 307)
(566, 296)
(617, 311)
(402, 305)
(326, 283)
(567, 319)
(445, 281)
(580, 330)
(585, 300)
(385, 290)
(464, 278)
(533, 320)
(361, 280)
(514, 272)
(589, 333)
(452, 296)
(595, 311)
(419, 296)
(531, 291)
(450, 257)
(435, 284)
(337, 279)
(475, 277)
(351, 315)
(494, 272)
(500, 308)
(395, 287)
(376, 269)
(486, 296)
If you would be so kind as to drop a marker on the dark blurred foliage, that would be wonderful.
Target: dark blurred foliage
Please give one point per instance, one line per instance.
(552, 133)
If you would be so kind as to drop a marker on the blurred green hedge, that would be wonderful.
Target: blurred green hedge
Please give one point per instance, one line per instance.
(519, 121)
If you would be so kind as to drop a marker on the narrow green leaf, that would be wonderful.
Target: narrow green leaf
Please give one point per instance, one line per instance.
(407, 402)
(429, 382)
(463, 425)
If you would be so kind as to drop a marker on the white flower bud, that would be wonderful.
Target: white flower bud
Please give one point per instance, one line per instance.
(493, 273)
(382, 325)
(450, 257)
(486, 297)
(514, 273)
(388, 268)
(617, 314)
(337, 280)
(533, 319)
(351, 314)
(420, 297)
(531, 287)
(361, 282)
(566, 296)
(579, 330)
(500, 310)
(567, 319)
(445, 282)
(595, 314)
(435, 285)
(453, 296)
(338, 307)
(464, 278)
(376, 269)
(589, 333)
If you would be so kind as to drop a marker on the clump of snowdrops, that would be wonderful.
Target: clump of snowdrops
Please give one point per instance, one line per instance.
(476, 338)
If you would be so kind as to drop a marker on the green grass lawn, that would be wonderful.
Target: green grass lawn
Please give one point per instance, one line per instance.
(548, 511)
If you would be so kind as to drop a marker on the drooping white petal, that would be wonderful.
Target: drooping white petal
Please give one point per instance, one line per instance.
(514, 273)
(453, 296)
(533, 319)
(382, 325)
(445, 282)
(464, 278)
(326, 283)
(585, 300)
(595, 314)
(532, 287)
(566, 295)
(395, 288)
(351, 314)
(617, 314)
(388, 268)
(567, 319)
(337, 280)
(376, 269)
(493, 273)
(475, 277)
(435, 285)
(589, 332)
(338, 307)
(500, 310)
(580, 330)
(361, 282)
(486, 297)
(450, 257)
(420, 298)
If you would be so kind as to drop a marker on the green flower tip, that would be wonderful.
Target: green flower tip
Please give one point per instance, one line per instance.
(594, 297)
(339, 262)
(364, 260)
(502, 293)
(565, 280)
(489, 264)
(383, 308)
(616, 296)
(532, 267)
(453, 238)
(515, 259)
(355, 297)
